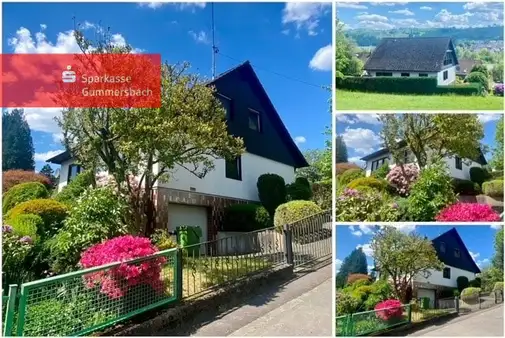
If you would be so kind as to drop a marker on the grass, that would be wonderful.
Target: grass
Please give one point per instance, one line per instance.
(346, 100)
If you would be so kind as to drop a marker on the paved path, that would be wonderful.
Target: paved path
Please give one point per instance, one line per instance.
(301, 308)
(485, 323)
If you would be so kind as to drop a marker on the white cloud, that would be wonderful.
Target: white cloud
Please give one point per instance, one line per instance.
(366, 229)
(484, 118)
(300, 139)
(350, 5)
(356, 118)
(482, 262)
(346, 118)
(57, 137)
(367, 249)
(354, 231)
(200, 37)
(406, 228)
(43, 26)
(474, 255)
(362, 140)
(152, 5)
(496, 226)
(192, 6)
(338, 264)
(357, 160)
(425, 8)
(371, 17)
(323, 59)
(483, 6)
(42, 157)
(455, 20)
(305, 15)
(390, 4)
(406, 22)
(403, 12)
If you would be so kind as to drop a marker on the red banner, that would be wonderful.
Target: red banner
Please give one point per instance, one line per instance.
(81, 80)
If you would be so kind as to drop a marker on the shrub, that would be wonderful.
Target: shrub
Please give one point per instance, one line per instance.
(481, 69)
(52, 212)
(465, 187)
(298, 191)
(294, 211)
(379, 185)
(11, 178)
(493, 188)
(23, 192)
(402, 180)
(468, 212)
(402, 209)
(303, 181)
(498, 286)
(476, 283)
(72, 191)
(389, 310)
(430, 193)
(163, 240)
(382, 172)
(357, 276)
(349, 175)
(480, 78)
(498, 89)
(14, 252)
(271, 191)
(340, 168)
(462, 283)
(355, 206)
(245, 218)
(346, 303)
(470, 295)
(26, 225)
(479, 175)
(497, 174)
(322, 194)
(116, 282)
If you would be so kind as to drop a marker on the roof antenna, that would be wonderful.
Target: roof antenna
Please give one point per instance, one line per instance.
(215, 50)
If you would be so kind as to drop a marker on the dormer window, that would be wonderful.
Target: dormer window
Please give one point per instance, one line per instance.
(448, 58)
(254, 120)
(442, 247)
(457, 253)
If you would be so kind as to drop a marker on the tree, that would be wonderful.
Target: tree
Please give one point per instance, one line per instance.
(354, 263)
(49, 173)
(497, 72)
(188, 132)
(402, 256)
(430, 137)
(340, 149)
(314, 158)
(343, 50)
(497, 160)
(498, 251)
(16, 141)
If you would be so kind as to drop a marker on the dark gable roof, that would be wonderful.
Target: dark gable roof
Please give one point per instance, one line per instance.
(453, 241)
(410, 54)
(275, 143)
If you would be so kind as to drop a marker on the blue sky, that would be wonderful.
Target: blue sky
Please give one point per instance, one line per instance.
(389, 15)
(292, 39)
(478, 239)
(361, 133)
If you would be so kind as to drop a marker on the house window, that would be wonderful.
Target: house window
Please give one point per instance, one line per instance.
(378, 163)
(73, 171)
(459, 163)
(447, 59)
(234, 169)
(383, 74)
(446, 75)
(227, 105)
(254, 120)
(447, 273)
(405, 74)
(442, 247)
(423, 75)
(457, 253)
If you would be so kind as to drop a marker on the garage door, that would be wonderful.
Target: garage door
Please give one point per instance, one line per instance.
(421, 293)
(179, 215)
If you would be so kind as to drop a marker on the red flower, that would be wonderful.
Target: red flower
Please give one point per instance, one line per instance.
(468, 212)
(389, 309)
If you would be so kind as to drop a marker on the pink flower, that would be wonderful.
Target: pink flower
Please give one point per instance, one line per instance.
(389, 309)
(403, 180)
(468, 212)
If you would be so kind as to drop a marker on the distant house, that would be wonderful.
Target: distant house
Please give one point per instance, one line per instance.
(465, 66)
(414, 57)
(458, 167)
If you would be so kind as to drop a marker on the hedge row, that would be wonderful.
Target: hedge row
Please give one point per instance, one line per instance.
(405, 85)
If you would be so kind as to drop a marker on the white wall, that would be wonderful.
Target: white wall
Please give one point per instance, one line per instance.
(64, 173)
(451, 76)
(216, 182)
(399, 74)
(437, 277)
(464, 173)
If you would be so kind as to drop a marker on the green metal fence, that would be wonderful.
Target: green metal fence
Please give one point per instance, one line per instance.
(8, 307)
(365, 323)
(81, 302)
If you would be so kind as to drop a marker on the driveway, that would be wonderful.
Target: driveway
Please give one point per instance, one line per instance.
(485, 323)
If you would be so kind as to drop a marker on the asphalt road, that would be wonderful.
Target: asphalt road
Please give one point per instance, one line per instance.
(484, 323)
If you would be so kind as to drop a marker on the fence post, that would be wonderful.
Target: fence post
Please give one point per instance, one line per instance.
(21, 311)
(456, 302)
(480, 306)
(178, 274)
(288, 240)
(351, 326)
(9, 316)
(410, 312)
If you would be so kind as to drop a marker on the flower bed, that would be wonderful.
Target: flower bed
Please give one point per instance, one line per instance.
(468, 212)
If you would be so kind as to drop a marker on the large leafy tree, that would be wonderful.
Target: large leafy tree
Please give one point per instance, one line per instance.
(17, 144)
(432, 136)
(340, 150)
(188, 132)
(314, 158)
(402, 256)
(354, 263)
(497, 160)
(498, 251)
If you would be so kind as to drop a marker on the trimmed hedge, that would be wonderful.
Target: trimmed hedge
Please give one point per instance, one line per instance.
(380, 185)
(294, 211)
(462, 282)
(470, 295)
(465, 187)
(23, 192)
(479, 175)
(493, 188)
(298, 191)
(405, 85)
(245, 218)
(271, 191)
(349, 175)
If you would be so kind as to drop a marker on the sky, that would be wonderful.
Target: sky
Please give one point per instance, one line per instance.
(389, 15)
(478, 239)
(293, 40)
(361, 133)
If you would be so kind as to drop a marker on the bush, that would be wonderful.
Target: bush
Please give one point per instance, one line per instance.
(479, 175)
(163, 240)
(379, 185)
(303, 181)
(245, 218)
(340, 168)
(497, 174)
(493, 188)
(357, 276)
(382, 172)
(298, 191)
(15, 249)
(470, 295)
(476, 283)
(389, 310)
(355, 206)
(322, 194)
(462, 283)
(465, 187)
(498, 89)
(468, 212)
(72, 191)
(402, 208)
(52, 212)
(26, 225)
(349, 175)
(402, 180)
(11, 178)
(480, 69)
(498, 286)
(23, 192)
(294, 211)
(346, 303)
(430, 193)
(480, 78)
(271, 191)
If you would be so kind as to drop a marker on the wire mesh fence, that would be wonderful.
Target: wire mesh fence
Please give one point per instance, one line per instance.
(84, 301)
(481, 300)
(8, 304)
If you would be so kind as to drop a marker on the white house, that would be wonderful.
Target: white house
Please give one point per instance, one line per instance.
(188, 200)
(414, 57)
(458, 168)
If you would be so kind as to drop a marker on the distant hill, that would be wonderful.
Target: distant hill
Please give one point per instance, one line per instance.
(369, 37)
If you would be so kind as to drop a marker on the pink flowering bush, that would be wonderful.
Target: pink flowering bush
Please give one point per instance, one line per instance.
(390, 309)
(403, 180)
(116, 282)
(468, 212)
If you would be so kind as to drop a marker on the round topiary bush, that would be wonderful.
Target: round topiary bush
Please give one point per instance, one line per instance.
(374, 183)
(470, 295)
(26, 225)
(23, 192)
(402, 179)
(303, 181)
(52, 212)
(298, 191)
(294, 211)
(349, 175)
(478, 77)
(479, 175)
(271, 191)
(245, 218)
(462, 283)
(493, 188)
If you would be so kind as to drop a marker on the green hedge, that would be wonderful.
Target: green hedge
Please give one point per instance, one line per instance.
(294, 211)
(404, 85)
(245, 218)
(21, 193)
(465, 187)
(493, 188)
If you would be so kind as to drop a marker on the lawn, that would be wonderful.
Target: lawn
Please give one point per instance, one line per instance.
(346, 100)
